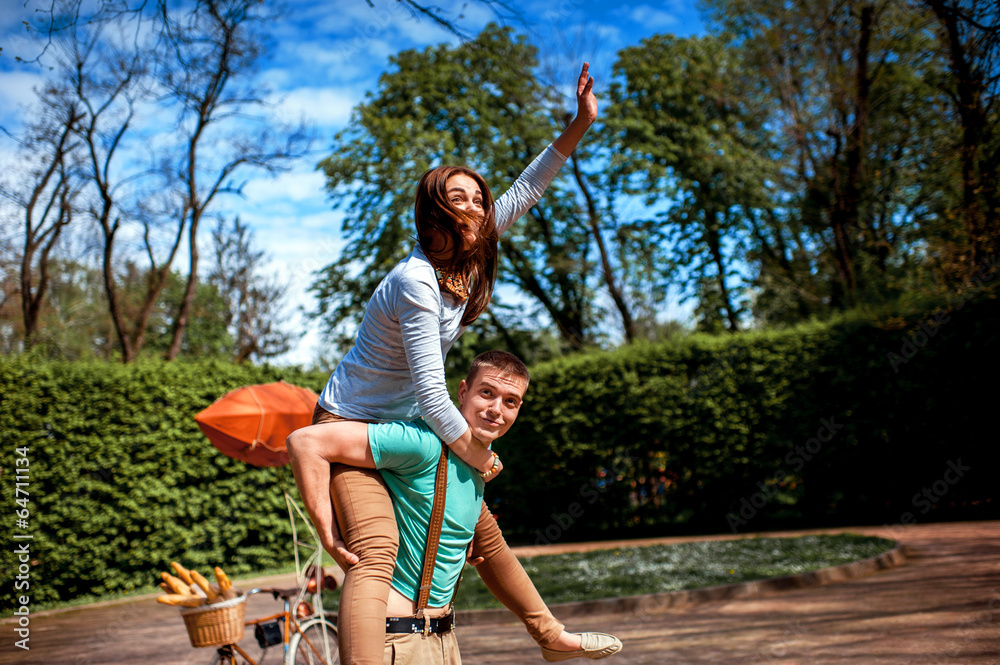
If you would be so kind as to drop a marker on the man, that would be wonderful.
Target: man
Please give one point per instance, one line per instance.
(407, 454)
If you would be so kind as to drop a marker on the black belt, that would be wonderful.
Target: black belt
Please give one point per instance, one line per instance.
(416, 625)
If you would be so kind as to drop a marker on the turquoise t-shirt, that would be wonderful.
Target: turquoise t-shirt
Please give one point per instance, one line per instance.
(407, 454)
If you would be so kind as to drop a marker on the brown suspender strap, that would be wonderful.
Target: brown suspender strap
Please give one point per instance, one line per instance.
(434, 532)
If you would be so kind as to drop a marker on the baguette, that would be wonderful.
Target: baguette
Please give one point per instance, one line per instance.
(175, 584)
(223, 579)
(180, 599)
(182, 572)
(210, 593)
(166, 587)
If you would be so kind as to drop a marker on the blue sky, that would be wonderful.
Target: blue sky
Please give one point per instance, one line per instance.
(325, 57)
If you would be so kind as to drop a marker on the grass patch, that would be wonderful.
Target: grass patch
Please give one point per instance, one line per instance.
(563, 578)
(631, 571)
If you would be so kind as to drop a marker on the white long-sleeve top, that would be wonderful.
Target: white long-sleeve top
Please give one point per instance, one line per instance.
(395, 371)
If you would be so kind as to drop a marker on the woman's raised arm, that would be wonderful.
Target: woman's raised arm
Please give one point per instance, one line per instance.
(586, 114)
(531, 184)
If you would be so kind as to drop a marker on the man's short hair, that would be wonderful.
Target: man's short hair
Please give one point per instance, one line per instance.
(502, 361)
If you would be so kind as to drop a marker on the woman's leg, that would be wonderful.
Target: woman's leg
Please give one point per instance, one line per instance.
(505, 578)
(368, 526)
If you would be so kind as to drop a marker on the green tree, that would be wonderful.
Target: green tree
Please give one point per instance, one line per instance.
(73, 322)
(846, 90)
(969, 42)
(208, 334)
(45, 196)
(694, 136)
(477, 104)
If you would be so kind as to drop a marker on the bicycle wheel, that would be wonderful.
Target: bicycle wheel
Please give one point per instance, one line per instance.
(322, 635)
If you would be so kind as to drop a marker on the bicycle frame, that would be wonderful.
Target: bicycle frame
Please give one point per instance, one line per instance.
(310, 542)
(290, 625)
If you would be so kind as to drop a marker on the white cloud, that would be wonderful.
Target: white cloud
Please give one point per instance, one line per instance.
(328, 107)
(603, 34)
(652, 17)
(300, 252)
(424, 33)
(335, 61)
(300, 242)
(344, 16)
(358, 59)
(18, 93)
(300, 185)
(327, 221)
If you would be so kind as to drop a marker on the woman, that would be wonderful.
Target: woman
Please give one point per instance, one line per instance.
(396, 372)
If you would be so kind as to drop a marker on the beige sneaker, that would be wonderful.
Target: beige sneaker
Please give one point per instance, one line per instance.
(592, 645)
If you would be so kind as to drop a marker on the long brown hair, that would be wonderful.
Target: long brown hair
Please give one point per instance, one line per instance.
(437, 218)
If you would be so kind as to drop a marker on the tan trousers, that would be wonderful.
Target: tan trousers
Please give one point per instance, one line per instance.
(367, 524)
(415, 649)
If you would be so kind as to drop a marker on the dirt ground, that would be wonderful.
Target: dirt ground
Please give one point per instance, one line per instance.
(942, 605)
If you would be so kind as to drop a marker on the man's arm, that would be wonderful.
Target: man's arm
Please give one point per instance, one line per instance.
(311, 450)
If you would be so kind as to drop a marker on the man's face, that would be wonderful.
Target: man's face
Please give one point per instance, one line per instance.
(491, 402)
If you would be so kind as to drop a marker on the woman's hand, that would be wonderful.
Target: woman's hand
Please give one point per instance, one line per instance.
(586, 114)
(495, 472)
(475, 454)
(334, 544)
(586, 101)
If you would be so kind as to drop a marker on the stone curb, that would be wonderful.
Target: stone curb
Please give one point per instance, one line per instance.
(654, 602)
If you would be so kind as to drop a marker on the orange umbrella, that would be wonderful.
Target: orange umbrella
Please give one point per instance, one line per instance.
(251, 423)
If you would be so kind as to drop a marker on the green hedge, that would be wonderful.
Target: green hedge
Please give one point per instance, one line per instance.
(841, 422)
(122, 481)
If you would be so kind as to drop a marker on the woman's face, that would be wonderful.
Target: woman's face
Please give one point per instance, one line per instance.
(464, 194)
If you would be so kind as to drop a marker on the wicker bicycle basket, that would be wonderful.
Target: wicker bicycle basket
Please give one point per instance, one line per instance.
(216, 624)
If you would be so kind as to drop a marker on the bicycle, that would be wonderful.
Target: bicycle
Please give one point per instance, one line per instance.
(312, 642)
